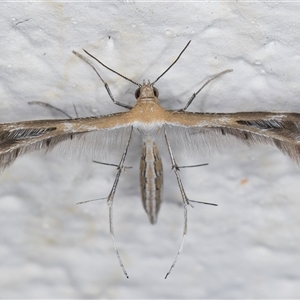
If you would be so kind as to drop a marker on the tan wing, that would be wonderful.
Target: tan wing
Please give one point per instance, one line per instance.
(281, 130)
(22, 137)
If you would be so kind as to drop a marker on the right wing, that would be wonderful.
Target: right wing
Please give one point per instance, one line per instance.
(214, 130)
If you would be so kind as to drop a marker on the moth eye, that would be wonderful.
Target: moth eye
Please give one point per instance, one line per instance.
(156, 92)
(137, 93)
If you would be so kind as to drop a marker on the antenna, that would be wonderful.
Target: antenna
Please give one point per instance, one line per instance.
(101, 63)
(175, 61)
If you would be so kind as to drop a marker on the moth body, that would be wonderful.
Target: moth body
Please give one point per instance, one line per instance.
(151, 178)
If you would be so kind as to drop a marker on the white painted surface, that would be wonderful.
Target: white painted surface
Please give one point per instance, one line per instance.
(247, 247)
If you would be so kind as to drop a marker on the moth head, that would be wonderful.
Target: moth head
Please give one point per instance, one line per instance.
(146, 91)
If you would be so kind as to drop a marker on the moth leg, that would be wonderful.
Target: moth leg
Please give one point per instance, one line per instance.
(193, 166)
(202, 87)
(185, 199)
(105, 83)
(54, 108)
(106, 164)
(109, 164)
(110, 199)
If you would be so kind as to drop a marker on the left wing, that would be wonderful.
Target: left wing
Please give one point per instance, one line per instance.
(105, 132)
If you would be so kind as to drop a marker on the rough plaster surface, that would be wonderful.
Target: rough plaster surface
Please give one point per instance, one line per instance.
(247, 247)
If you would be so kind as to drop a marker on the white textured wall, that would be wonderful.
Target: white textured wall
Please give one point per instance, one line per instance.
(249, 246)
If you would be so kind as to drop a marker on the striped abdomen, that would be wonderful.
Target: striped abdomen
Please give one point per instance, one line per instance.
(151, 177)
